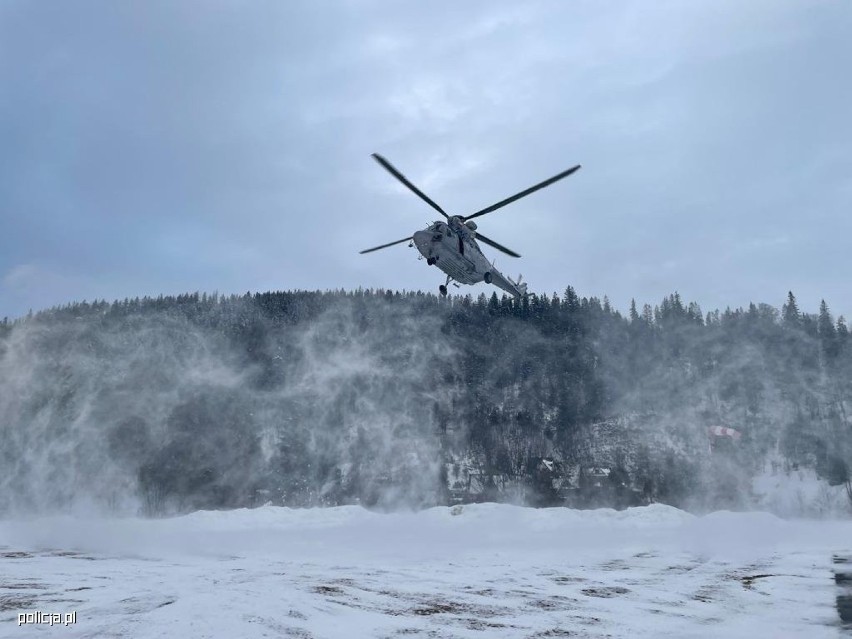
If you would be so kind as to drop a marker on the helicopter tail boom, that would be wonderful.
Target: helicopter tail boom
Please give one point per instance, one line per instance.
(499, 280)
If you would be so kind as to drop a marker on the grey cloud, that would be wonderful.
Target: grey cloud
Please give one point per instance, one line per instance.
(167, 147)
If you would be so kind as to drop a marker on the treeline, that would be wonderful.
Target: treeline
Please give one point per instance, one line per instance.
(380, 397)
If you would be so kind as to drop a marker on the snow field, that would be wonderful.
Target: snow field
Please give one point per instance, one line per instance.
(487, 571)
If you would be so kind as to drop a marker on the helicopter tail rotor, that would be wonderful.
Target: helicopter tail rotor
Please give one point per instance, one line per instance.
(520, 285)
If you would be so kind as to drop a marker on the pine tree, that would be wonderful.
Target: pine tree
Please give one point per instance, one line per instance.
(825, 325)
(493, 304)
(827, 333)
(571, 301)
(694, 313)
(840, 329)
(790, 312)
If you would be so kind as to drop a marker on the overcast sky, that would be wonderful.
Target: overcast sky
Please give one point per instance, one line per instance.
(167, 147)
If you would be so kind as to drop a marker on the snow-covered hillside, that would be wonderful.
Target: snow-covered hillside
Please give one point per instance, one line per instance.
(482, 570)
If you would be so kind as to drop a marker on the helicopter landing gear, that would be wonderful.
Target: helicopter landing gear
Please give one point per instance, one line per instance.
(487, 277)
(431, 261)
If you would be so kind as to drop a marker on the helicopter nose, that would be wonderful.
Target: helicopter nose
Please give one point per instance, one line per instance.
(422, 240)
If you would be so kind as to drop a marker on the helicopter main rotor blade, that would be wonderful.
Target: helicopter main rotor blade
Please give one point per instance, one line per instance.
(518, 196)
(480, 237)
(376, 248)
(399, 176)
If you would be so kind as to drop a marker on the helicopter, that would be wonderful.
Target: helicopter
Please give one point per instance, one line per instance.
(452, 246)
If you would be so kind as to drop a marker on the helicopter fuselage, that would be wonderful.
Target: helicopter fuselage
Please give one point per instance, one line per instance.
(452, 247)
(454, 251)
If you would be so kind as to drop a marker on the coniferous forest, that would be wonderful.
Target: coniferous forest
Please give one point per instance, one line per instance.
(392, 399)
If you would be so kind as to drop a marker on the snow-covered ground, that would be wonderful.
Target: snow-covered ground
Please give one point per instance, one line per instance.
(479, 571)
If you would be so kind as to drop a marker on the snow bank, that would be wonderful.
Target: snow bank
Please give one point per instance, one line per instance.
(335, 533)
